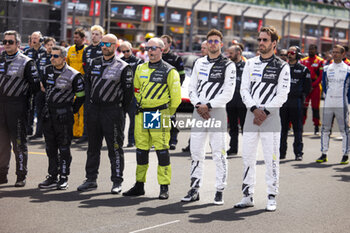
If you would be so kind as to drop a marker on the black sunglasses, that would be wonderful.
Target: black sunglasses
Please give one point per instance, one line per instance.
(126, 51)
(55, 56)
(153, 48)
(263, 39)
(10, 42)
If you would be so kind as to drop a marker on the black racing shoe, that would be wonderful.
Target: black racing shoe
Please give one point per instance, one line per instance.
(192, 195)
(299, 157)
(50, 182)
(88, 185)
(116, 188)
(218, 200)
(322, 159)
(164, 192)
(172, 147)
(231, 151)
(186, 149)
(35, 136)
(62, 183)
(344, 160)
(137, 190)
(81, 140)
(130, 144)
(317, 130)
(21, 181)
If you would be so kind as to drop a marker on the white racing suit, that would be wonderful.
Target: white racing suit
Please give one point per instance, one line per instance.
(335, 84)
(265, 85)
(212, 83)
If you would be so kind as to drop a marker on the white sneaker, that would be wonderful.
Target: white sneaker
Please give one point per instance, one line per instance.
(271, 203)
(245, 202)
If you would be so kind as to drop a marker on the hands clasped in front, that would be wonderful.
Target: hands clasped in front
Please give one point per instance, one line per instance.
(259, 116)
(203, 111)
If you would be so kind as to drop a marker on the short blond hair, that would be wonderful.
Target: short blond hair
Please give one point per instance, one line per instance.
(97, 28)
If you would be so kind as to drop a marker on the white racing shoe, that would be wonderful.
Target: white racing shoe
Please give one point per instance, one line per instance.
(245, 202)
(271, 203)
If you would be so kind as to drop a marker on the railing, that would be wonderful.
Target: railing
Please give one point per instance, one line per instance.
(301, 6)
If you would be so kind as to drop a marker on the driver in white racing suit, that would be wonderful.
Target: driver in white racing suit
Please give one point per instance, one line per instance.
(212, 86)
(335, 84)
(264, 89)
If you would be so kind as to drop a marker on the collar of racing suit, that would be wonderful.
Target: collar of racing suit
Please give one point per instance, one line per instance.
(107, 62)
(155, 65)
(215, 59)
(131, 58)
(10, 57)
(267, 59)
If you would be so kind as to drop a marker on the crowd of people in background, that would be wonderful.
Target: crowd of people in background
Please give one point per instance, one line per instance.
(84, 92)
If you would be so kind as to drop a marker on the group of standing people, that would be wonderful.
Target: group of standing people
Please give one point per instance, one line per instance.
(263, 94)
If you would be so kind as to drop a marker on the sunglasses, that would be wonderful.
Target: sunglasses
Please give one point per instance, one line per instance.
(214, 41)
(291, 52)
(153, 48)
(126, 51)
(10, 42)
(55, 56)
(108, 44)
(283, 55)
(263, 39)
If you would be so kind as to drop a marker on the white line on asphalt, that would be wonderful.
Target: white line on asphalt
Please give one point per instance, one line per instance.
(160, 225)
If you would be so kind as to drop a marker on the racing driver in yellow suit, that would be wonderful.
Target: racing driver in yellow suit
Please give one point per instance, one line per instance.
(158, 94)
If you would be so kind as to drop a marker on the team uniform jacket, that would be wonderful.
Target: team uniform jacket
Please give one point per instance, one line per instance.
(212, 81)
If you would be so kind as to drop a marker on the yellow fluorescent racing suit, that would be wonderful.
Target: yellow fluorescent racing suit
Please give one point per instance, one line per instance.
(158, 94)
(75, 60)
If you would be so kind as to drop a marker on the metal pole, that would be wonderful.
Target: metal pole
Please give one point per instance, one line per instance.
(165, 16)
(109, 17)
(290, 11)
(209, 19)
(334, 29)
(73, 26)
(156, 18)
(219, 15)
(192, 23)
(242, 24)
(184, 36)
(20, 16)
(264, 16)
(93, 12)
(349, 29)
(302, 31)
(283, 26)
(64, 9)
(102, 13)
(318, 31)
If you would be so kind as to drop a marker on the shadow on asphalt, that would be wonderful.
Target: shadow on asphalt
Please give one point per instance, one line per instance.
(230, 214)
(174, 208)
(40, 196)
(283, 161)
(313, 165)
(343, 177)
(115, 201)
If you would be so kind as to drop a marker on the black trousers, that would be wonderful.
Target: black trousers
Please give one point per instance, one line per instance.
(292, 111)
(107, 122)
(39, 105)
(13, 122)
(58, 132)
(236, 112)
(131, 113)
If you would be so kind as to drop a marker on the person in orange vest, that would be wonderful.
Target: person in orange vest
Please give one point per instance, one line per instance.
(75, 60)
(315, 64)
